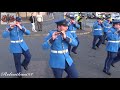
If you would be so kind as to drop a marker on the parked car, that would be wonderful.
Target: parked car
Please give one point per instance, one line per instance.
(74, 14)
(115, 16)
(91, 16)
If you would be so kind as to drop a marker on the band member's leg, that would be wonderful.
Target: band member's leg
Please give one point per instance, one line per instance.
(27, 59)
(71, 71)
(57, 72)
(17, 60)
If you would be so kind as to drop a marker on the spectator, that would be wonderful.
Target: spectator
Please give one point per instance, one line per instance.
(39, 21)
(32, 20)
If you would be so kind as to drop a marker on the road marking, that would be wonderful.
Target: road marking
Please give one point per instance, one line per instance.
(46, 34)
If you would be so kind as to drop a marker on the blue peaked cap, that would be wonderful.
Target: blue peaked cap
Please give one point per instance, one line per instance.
(62, 22)
(115, 21)
(19, 19)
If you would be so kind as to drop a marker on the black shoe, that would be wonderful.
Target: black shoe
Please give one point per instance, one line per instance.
(67, 76)
(25, 67)
(97, 46)
(112, 65)
(93, 48)
(106, 72)
(19, 76)
(74, 52)
(104, 43)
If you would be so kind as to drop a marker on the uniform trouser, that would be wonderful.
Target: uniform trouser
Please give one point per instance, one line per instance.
(75, 47)
(80, 23)
(33, 26)
(96, 37)
(104, 37)
(117, 58)
(70, 70)
(17, 60)
(39, 25)
(109, 60)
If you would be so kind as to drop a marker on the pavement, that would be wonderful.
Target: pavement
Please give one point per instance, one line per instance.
(89, 62)
(48, 24)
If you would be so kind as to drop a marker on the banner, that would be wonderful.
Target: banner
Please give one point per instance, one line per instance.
(7, 18)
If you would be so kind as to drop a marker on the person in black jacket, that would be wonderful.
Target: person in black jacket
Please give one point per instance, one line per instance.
(32, 20)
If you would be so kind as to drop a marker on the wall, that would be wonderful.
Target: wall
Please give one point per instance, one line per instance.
(23, 14)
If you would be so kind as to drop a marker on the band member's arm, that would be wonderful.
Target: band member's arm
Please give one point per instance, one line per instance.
(95, 25)
(104, 25)
(25, 31)
(118, 32)
(51, 40)
(6, 33)
(47, 41)
(77, 25)
(71, 40)
(111, 35)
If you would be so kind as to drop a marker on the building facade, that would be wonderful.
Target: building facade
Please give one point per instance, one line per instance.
(4, 16)
(28, 14)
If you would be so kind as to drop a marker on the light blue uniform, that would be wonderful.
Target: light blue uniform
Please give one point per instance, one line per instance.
(106, 26)
(57, 57)
(113, 40)
(98, 34)
(73, 28)
(112, 48)
(97, 29)
(16, 35)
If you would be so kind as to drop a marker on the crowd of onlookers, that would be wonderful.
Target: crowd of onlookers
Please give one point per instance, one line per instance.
(38, 18)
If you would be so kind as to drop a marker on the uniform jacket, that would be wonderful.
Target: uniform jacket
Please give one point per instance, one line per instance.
(57, 60)
(106, 26)
(15, 35)
(97, 28)
(113, 43)
(73, 28)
